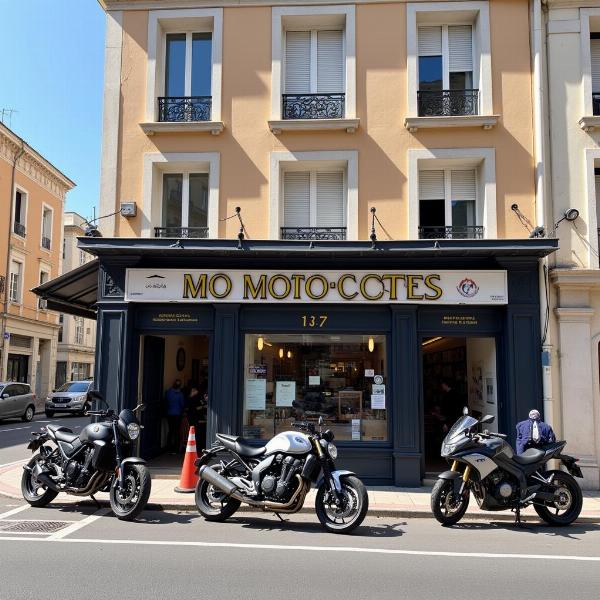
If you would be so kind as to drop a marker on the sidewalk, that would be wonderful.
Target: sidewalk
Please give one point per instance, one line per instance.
(383, 501)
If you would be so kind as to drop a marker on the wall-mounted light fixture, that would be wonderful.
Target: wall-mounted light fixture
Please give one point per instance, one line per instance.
(371, 344)
(260, 343)
(569, 215)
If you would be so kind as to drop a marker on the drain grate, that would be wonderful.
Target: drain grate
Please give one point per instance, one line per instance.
(32, 526)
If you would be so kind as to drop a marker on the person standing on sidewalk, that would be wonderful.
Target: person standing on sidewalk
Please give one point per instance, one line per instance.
(175, 407)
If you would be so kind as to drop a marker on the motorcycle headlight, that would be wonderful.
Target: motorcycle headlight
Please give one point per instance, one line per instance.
(133, 430)
(447, 449)
(332, 451)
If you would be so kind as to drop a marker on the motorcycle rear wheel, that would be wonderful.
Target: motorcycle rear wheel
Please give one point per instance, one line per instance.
(128, 503)
(33, 492)
(347, 517)
(213, 504)
(444, 507)
(570, 500)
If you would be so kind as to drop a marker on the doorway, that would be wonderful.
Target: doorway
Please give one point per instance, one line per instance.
(457, 372)
(17, 368)
(164, 360)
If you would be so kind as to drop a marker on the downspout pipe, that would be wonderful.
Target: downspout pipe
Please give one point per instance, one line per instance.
(19, 152)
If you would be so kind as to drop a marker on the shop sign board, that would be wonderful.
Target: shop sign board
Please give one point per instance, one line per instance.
(338, 287)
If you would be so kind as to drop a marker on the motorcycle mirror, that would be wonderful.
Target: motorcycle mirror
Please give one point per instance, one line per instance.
(465, 411)
(488, 419)
(321, 421)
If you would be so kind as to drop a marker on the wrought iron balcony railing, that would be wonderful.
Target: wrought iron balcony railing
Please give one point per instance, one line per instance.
(181, 232)
(447, 103)
(313, 106)
(184, 108)
(313, 233)
(46, 242)
(19, 229)
(451, 232)
(596, 104)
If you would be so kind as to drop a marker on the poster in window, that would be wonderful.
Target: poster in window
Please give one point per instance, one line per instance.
(285, 393)
(256, 394)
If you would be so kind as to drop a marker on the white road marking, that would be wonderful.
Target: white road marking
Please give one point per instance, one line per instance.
(14, 511)
(15, 462)
(349, 549)
(77, 525)
(16, 428)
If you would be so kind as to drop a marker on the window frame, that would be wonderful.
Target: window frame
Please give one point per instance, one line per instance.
(19, 290)
(185, 193)
(24, 193)
(42, 303)
(46, 208)
(188, 21)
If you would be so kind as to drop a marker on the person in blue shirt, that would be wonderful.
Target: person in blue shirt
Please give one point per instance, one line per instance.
(533, 432)
(175, 407)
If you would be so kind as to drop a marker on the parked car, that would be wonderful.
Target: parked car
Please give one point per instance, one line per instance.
(16, 400)
(71, 397)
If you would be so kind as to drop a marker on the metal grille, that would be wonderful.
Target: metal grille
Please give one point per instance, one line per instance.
(313, 233)
(452, 232)
(181, 232)
(32, 526)
(184, 108)
(313, 106)
(446, 103)
(20, 341)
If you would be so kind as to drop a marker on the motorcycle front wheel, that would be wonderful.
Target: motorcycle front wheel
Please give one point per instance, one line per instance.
(568, 500)
(129, 501)
(447, 509)
(33, 491)
(350, 513)
(212, 503)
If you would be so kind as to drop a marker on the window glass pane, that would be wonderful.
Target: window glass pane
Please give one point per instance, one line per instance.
(171, 207)
(461, 81)
(18, 207)
(432, 213)
(463, 212)
(198, 214)
(307, 376)
(201, 63)
(175, 65)
(430, 73)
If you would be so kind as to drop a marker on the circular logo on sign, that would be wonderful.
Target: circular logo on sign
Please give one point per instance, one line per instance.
(467, 288)
(378, 379)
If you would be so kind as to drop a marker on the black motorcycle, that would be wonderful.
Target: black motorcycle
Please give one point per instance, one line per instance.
(99, 459)
(502, 480)
(277, 476)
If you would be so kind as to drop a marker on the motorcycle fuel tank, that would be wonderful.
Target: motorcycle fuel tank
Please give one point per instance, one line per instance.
(289, 442)
(96, 431)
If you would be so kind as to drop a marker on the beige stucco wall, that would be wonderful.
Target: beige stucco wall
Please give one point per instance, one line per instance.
(382, 141)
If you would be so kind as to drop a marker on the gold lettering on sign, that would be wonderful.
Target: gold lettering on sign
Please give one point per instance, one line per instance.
(194, 289)
(393, 279)
(411, 283)
(254, 291)
(341, 289)
(298, 279)
(309, 287)
(311, 321)
(363, 287)
(212, 285)
(287, 286)
(459, 320)
(436, 289)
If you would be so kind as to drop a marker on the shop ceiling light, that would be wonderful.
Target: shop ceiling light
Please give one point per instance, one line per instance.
(280, 352)
(371, 344)
(260, 343)
(289, 354)
(432, 340)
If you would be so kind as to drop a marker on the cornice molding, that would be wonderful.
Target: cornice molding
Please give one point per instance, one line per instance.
(575, 278)
(115, 5)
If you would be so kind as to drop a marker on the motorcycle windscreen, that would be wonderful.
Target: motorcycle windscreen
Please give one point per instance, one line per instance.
(458, 429)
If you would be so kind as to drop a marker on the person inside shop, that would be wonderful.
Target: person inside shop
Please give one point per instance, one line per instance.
(175, 407)
(193, 406)
(533, 432)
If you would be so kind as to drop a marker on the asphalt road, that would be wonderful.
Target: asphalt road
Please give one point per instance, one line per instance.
(179, 555)
(14, 434)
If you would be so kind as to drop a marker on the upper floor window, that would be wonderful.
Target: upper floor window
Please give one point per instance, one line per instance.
(42, 302)
(82, 257)
(20, 215)
(314, 75)
(16, 281)
(188, 66)
(314, 205)
(79, 330)
(61, 323)
(595, 62)
(184, 205)
(46, 227)
(446, 71)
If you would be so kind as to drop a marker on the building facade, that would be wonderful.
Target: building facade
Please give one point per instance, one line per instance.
(319, 210)
(33, 193)
(77, 335)
(573, 139)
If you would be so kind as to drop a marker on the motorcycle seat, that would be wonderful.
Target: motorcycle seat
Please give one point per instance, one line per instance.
(530, 456)
(62, 434)
(240, 445)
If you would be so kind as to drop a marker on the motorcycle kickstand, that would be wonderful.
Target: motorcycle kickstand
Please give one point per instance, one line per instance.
(96, 501)
(280, 517)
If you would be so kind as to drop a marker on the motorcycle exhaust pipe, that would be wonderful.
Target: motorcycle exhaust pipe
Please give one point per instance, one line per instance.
(209, 474)
(44, 478)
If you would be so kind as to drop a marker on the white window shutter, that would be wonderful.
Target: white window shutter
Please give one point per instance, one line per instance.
(296, 199)
(431, 185)
(430, 41)
(460, 48)
(595, 52)
(330, 200)
(597, 181)
(297, 62)
(330, 62)
(463, 185)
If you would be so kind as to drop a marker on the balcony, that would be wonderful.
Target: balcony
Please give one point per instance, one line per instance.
(184, 109)
(313, 233)
(313, 106)
(447, 103)
(46, 242)
(19, 229)
(451, 232)
(181, 232)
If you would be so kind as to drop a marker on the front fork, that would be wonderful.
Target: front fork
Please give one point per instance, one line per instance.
(465, 476)
(327, 472)
(120, 470)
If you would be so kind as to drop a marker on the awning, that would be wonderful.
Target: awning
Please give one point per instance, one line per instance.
(74, 292)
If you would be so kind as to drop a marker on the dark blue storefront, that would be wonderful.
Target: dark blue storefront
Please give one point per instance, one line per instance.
(124, 327)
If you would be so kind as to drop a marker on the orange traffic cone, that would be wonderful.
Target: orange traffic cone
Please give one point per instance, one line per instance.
(189, 479)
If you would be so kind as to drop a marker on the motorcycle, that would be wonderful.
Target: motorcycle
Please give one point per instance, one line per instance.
(277, 476)
(99, 459)
(499, 479)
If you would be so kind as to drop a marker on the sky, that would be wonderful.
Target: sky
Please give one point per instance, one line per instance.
(52, 75)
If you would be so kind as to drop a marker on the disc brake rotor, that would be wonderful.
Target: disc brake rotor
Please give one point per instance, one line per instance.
(563, 498)
(347, 506)
(128, 494)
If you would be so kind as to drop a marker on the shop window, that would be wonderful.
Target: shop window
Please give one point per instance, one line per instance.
(342, 378)
(184, 205)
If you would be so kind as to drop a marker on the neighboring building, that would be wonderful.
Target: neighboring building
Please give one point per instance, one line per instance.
(573, 162)
(307, 118)
(77, 335)
(30, 254)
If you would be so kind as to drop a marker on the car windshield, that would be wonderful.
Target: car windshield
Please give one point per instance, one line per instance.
(74, 386)
(459, 428)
